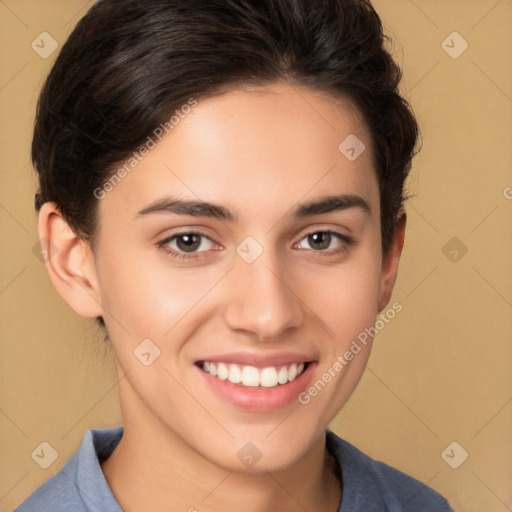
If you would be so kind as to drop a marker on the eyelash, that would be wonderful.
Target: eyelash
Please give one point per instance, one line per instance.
(348, 241)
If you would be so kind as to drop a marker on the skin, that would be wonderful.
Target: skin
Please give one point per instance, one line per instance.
(260, 152)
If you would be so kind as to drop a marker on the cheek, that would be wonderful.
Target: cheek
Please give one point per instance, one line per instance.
(348, 306)
(147, 296)
(347, 300)
(146, 300)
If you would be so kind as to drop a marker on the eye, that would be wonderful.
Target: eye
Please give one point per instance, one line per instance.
(186, 245)
(192, 244)
(322, 240)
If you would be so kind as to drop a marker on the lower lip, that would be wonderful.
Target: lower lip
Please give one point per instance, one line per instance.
(259, 399)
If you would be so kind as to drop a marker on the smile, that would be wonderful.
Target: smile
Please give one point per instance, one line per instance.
(251, 376)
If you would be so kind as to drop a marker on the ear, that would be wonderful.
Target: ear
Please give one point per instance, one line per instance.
(69, 261)
(390, 262)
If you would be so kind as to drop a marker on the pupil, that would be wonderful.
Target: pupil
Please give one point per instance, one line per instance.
(188, 242)
(321, 239)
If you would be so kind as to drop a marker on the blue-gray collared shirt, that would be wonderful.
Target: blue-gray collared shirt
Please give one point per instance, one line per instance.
(368, 485)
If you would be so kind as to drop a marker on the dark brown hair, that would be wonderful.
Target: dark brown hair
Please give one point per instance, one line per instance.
(128, 65)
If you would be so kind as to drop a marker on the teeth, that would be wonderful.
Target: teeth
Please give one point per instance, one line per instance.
(268, 377)
(235, 374)
(282, 375)
(250, 376)
(222, 371)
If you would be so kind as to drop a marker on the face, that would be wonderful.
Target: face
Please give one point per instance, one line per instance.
(246, 245)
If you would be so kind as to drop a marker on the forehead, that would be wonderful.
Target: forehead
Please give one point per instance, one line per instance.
(256, 149)
(269, 120)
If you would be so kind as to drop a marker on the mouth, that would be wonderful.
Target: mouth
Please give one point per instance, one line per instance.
(253, 377)
(256, 382)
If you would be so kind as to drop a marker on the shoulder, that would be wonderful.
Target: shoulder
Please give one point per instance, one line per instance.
(80, 485)
(373, 485)
(59, 493)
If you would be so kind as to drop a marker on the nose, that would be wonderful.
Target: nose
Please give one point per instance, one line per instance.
(262, 299)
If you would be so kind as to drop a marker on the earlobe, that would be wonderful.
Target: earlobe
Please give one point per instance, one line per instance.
(390, 262)
(69, 261)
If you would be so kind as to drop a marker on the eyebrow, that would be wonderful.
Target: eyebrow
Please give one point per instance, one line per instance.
(326, 204)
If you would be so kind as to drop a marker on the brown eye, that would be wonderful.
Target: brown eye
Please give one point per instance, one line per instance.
(322, 240)
(186, 245)
(188, 242)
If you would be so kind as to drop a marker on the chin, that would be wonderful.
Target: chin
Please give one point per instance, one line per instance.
(263, 452)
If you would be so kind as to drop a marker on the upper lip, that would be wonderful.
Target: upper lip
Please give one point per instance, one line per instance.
(258, 360)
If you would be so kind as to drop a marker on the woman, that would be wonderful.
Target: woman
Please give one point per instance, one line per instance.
(222, 187)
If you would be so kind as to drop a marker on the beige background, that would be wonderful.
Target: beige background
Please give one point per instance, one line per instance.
(440, 371)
